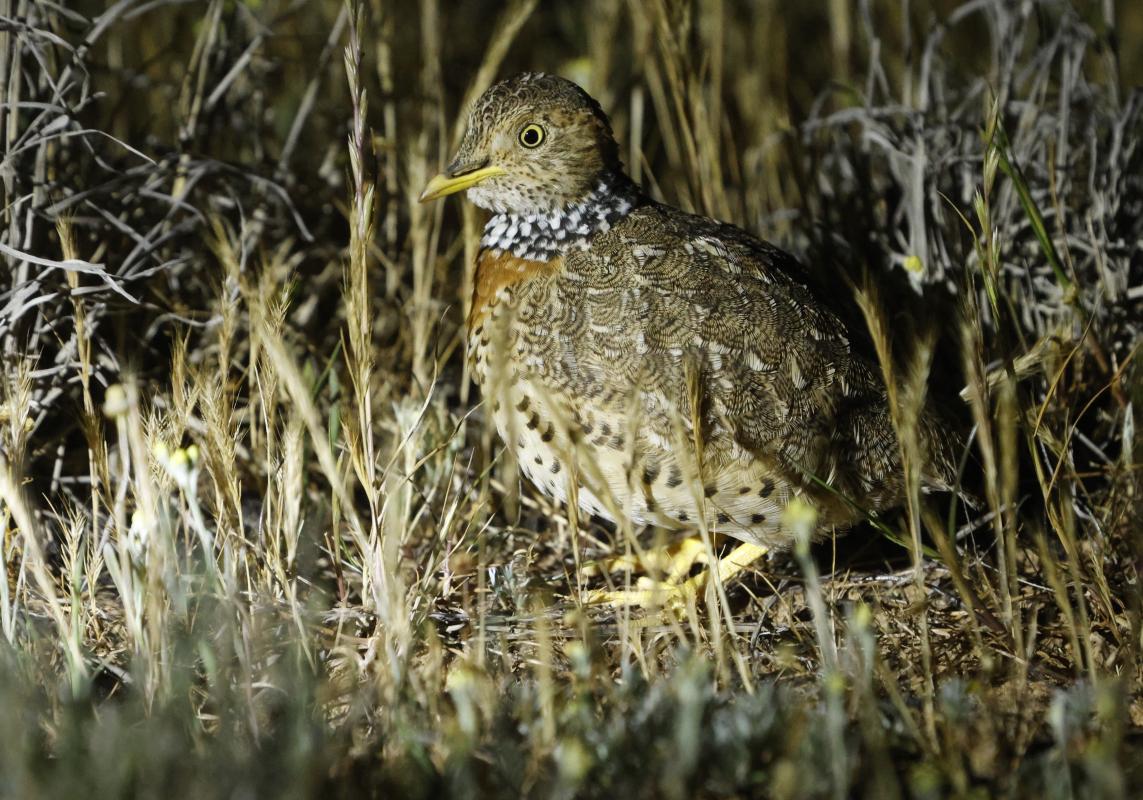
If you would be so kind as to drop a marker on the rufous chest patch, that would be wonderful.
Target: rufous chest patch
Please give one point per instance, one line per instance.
(496, 270)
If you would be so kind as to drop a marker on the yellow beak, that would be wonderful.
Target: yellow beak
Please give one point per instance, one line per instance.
(445, 184)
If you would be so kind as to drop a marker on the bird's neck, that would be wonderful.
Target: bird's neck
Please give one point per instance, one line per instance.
(544, 235)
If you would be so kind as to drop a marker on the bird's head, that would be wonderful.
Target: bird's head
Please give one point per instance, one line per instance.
(535, 144)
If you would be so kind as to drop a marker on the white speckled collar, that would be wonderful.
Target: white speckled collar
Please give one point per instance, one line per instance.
(543, 236)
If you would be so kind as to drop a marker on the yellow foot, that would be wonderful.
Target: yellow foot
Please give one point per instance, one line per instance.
(674, 562)
(675, 593)
(649, 594)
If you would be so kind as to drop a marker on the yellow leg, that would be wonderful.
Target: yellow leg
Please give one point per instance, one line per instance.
(673, 591)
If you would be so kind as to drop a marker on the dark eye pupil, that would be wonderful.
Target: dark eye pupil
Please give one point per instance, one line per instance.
(531, 136)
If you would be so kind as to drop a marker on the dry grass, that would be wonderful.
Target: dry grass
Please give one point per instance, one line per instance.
(259, 539)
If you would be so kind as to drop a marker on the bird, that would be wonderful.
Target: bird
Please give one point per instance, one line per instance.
(648, 363)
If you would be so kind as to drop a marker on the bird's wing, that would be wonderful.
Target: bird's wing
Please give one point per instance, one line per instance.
(672, 294)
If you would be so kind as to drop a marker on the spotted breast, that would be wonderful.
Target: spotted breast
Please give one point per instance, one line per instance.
(568, 352)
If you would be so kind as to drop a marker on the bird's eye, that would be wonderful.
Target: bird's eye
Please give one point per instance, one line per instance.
(532, 135)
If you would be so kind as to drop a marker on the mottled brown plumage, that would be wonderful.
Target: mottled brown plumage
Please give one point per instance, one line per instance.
(657, 364)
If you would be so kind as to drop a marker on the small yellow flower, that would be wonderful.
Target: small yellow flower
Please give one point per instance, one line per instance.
(800, 518)
(573, 760)
(914, 264)
(115, 401)
(799, 512)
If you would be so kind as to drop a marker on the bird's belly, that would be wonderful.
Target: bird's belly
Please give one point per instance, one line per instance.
(572, 449)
